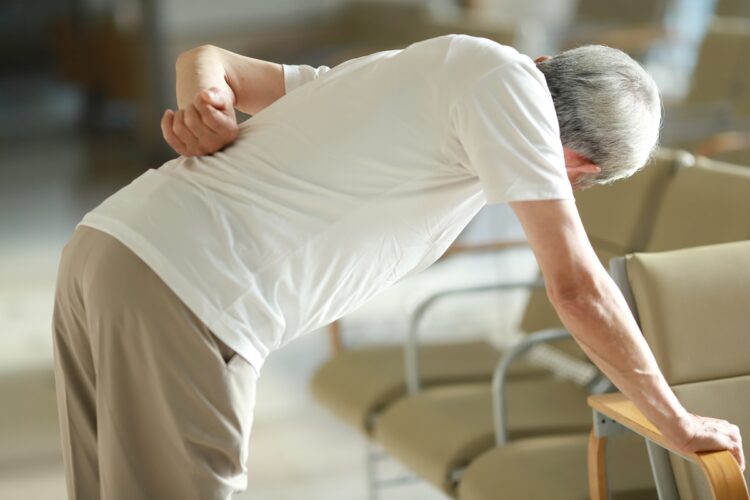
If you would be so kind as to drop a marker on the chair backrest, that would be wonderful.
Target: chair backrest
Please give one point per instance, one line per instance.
(619, 12)
(733, 8)
(618, 220)
(693, 310)
(706, 204)
(683, 206)
(721, 60)
(741, 109)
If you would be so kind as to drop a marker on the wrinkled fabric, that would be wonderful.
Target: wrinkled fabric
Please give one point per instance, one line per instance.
(360, 175)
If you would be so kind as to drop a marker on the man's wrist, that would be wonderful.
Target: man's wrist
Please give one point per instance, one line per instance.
(682, 430)
(199, 69)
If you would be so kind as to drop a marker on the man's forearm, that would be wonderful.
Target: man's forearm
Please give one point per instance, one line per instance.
(601, 323)
(253, 83)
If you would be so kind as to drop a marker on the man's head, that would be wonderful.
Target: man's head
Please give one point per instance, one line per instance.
(609, 112)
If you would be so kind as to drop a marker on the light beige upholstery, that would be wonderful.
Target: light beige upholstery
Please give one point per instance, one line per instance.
(619, 12)
(357, 384)
(618, 219)
(704, 194)
(742, 107)
(739, 157)
(619, 216)
(439, 430)
(685, 329)
(365, 27)
(705, 204)
(721, 58)
(694, 312)
(554, 468)
(732, 8)
(727, 398)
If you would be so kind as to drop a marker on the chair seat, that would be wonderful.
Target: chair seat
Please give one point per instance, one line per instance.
(443, 429)
(357, 384)
(554, 468)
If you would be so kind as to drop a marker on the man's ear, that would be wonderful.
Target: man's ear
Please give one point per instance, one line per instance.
(575, 162)
(541, 59)
(584, 168)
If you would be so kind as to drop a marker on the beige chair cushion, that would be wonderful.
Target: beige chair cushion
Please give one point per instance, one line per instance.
(618, 219)
(554, 468)
(694, 309)
(739, 157)
(619, 12)
(728, 399)
(720, 59)
(357, 384)
(733, 8)
(619, 216)
(704, 205)
(445, 428)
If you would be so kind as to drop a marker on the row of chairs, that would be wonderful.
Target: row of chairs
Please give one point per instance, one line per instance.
(692, 306)
(453, 427)
(718, 97)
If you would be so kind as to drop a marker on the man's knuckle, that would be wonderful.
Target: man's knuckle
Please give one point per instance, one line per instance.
(190, 121)
(178, 127)
(210, 121)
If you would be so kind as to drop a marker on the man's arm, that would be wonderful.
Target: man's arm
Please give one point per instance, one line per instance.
(253, 84)
(211, 82)
(594, 311)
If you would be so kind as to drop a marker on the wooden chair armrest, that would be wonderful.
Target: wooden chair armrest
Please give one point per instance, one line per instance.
(335, 340)
(720, 468)
(723, 142)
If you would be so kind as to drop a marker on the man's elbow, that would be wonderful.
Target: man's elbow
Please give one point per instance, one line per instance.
(192, 54)
(575, 296)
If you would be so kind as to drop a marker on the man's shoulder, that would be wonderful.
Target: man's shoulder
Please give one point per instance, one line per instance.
(460, 48)
(479, 50)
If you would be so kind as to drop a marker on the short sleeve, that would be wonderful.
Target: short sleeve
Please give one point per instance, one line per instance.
(507, 125)
(297, 75)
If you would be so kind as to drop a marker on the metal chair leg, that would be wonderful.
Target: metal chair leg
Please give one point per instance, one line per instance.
(371, 470)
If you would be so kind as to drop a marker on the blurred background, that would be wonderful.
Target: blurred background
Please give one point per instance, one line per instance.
(83, 84)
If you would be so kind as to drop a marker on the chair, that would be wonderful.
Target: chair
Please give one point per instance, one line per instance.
(732, 8)
(632, 26)
(694, 199)
(367, 27)
(715, 88)
(693, 311)
(527, 414)
(732, 145)
(356, 385)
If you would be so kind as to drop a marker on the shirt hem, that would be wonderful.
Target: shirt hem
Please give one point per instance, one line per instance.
(178, 284)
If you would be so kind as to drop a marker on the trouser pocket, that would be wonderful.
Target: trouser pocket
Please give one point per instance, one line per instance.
(226, 352)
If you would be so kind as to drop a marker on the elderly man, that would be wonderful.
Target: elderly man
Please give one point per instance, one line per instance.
(173, 291)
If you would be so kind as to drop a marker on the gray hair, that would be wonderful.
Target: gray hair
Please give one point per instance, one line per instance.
(608, 108)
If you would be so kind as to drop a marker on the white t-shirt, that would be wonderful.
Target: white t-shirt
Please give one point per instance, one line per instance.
(358, 176)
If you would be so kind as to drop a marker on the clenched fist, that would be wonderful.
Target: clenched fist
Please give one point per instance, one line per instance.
(204, 127)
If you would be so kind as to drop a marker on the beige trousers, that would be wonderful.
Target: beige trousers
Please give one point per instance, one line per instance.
(151, 404)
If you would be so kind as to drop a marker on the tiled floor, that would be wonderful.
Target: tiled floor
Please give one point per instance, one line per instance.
(298, 450)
